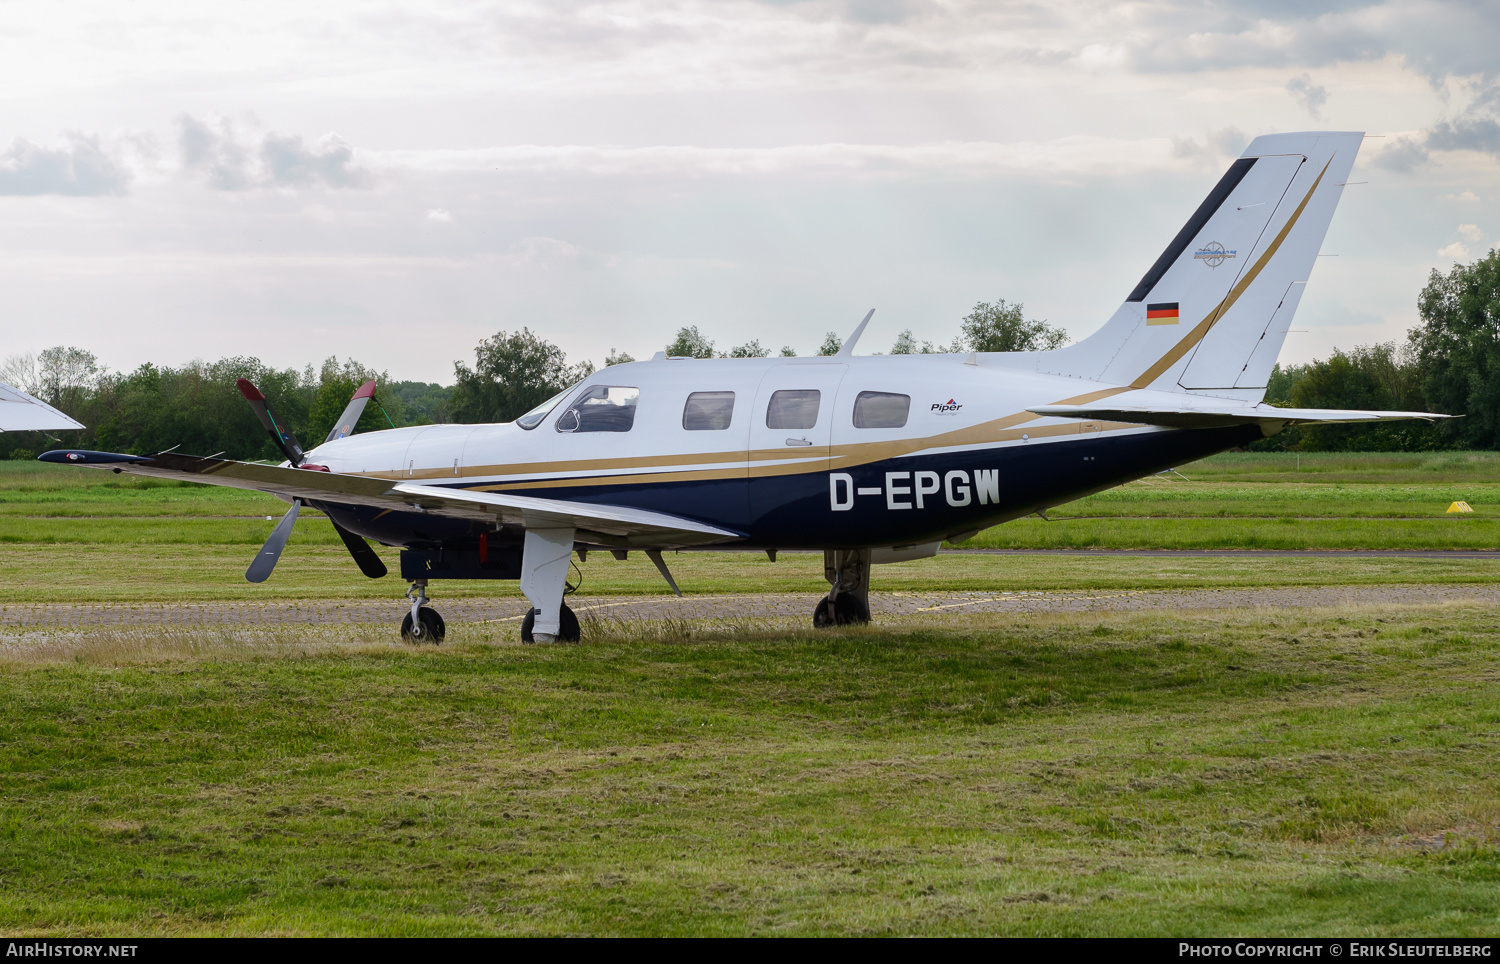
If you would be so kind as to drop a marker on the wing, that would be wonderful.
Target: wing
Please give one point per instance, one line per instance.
(603, 524)
(1198, 411)
(19, 412)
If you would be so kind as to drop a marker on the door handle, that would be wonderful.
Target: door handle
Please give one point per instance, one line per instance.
(798, 441)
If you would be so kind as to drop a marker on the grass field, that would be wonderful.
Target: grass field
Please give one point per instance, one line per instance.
(1323, 771)
(1256, 773)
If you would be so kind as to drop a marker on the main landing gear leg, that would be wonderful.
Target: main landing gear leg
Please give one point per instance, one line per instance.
(422, 624)
(848, 599)
(544, 573)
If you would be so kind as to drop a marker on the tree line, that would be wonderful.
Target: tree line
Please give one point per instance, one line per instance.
(1450, 363)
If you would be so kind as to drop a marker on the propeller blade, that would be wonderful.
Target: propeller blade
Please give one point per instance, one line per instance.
(283, 437)
(369, 563)
(345, 425)
(260, 569)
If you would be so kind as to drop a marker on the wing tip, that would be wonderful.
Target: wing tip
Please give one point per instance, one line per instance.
(85, 457)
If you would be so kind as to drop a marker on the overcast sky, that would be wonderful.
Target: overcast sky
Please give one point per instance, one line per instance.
(396, 182)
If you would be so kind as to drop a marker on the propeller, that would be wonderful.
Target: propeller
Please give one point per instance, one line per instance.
(260, 569)
(369, 563)
(283, 438)
(366, 558)
(345, 425)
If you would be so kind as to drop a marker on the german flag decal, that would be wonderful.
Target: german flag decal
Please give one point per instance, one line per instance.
(1164, 314)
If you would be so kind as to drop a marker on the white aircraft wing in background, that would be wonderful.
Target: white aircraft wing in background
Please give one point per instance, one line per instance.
(19, 412)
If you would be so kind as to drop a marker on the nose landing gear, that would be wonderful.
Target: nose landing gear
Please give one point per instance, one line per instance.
(422, 624)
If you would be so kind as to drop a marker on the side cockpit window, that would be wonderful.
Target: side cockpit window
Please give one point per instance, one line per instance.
(794, 409)
(534, 417)
(708, 411)
(603, 408)
(881, 410)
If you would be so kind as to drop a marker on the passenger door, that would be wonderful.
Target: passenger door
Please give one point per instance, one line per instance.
(791, 429)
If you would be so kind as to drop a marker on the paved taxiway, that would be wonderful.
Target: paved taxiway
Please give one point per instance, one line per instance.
(793, 607)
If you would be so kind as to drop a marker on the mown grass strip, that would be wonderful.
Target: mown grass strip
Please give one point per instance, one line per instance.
(1276, 773)
(1467, 532)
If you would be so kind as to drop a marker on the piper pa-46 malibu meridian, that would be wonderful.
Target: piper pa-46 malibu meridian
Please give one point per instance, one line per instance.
(870, 459)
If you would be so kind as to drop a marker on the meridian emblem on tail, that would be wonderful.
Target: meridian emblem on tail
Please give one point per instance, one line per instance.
(1213, 254)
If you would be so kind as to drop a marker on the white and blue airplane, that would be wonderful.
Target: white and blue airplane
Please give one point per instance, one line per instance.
(870, 459)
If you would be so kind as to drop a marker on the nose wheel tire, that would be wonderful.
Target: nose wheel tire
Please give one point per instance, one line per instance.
(428, 628)
(567, 626)
(846, 610)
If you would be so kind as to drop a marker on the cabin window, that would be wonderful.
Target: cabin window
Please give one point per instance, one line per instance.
(534, 417)
(793, 409)
(881, 410)
(708, 411)
(603, 408)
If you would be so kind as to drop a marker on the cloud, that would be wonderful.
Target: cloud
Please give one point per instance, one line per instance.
(1480, 134)
(1458, 251)
(1470, 232)
(1311, 97)
(1222, 143)
(214, 153)
(1403, 156)
(79, 167)
(1469, 197)
(439, 215)
(1061, 158)
(228, 163)
(288, 161)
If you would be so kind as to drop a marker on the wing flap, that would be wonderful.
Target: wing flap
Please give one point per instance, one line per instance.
(619, 522)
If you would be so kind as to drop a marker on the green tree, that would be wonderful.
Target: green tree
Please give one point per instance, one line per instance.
(751, 349)
(831, 344)
(1003, 327)
(512, 374)
(1383, 377)
(618, 358)
(337, 384)
(420, 403)
(690, 343)
(907, 344)
(787, 351)
(1458, 345)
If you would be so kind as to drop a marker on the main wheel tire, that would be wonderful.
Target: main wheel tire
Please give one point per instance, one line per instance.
(847, 610)
(850, 610)
(430, 628)
(568, 630)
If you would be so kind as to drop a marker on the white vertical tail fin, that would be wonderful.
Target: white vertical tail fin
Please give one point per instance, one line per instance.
(1211, 313)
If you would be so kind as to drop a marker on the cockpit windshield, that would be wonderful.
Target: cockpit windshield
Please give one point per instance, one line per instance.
(534, 417)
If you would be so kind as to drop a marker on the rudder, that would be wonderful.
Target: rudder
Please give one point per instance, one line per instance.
(1211, 313)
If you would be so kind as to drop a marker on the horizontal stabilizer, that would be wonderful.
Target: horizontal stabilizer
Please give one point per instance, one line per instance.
(1221, 416)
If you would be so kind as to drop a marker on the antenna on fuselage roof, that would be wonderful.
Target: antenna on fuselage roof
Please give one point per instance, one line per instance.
(848, 348)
